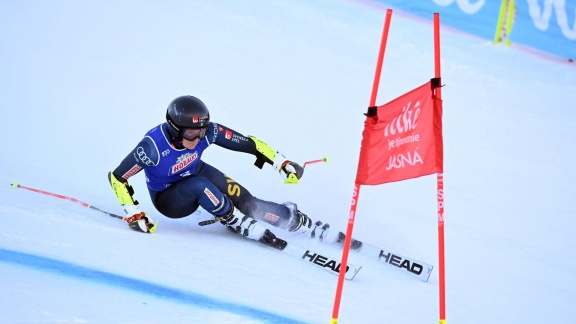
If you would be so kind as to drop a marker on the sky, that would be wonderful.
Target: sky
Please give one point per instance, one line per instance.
(82, 82)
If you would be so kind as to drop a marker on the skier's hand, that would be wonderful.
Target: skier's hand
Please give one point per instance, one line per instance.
(138, 220)
(291, 169)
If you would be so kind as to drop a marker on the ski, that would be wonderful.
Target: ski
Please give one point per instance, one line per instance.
(411, 266)
(319, 260)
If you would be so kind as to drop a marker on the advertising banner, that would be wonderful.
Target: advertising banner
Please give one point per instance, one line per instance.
(403, 140)
(546, 25)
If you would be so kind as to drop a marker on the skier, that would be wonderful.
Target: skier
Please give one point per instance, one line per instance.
(179, 181)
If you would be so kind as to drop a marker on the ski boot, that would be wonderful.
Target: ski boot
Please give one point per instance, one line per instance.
(302, 224)
(241, 224)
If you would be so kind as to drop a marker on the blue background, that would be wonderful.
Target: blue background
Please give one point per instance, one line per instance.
(483, 23)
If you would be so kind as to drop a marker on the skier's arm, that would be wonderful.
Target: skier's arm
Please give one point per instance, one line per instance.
(287, 169)
(232, 140)
(142, 156)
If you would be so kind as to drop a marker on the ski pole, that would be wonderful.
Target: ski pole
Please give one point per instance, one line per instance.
(292, 179)
(324, 159)
(16, 185)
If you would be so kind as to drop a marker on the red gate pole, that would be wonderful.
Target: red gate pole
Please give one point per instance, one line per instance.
(440, 187)
(356, 192)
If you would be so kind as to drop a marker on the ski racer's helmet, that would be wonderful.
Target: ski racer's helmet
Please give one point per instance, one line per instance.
(187, 117)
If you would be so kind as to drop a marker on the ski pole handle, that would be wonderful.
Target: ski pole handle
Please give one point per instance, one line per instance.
(16, 185)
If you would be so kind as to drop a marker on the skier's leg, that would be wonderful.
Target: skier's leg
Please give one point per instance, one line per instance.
(285, 216)
(185, 196)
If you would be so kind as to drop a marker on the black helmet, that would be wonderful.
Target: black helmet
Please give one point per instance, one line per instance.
(186, 112)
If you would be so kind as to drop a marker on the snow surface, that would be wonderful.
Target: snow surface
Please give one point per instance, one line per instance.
(82, 81)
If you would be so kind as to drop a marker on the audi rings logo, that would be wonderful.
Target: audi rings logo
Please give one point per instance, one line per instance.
(141, 154)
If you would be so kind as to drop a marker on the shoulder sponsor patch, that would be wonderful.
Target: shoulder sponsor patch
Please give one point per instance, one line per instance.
(141, 155)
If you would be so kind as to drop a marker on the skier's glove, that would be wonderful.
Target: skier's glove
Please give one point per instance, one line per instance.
(138, 220)
(290, 171)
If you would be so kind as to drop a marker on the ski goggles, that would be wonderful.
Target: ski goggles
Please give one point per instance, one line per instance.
(191, 134)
